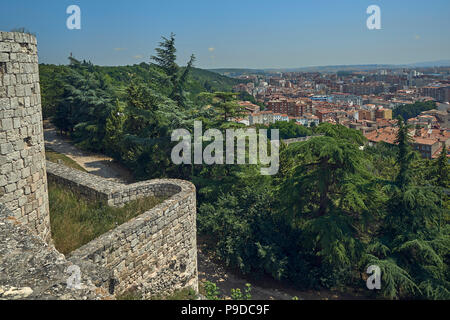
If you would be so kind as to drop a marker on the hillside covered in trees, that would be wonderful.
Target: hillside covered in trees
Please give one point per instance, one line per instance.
(119, 78)
(332, 210)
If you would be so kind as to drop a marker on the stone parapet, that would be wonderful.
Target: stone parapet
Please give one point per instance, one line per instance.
(154, 253)
(30, 269)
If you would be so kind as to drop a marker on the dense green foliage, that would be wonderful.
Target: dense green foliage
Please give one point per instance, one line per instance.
(332, 210)
(408, 111)
(53, 78)
(290, 130)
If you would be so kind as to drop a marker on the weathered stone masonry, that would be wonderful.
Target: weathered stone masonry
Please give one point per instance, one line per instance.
(23, 186)
(32, 269)
(155, 252)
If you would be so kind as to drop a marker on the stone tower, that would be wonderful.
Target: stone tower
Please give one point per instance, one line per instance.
(23, 180)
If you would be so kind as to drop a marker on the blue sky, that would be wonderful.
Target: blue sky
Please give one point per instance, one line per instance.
(237, 33)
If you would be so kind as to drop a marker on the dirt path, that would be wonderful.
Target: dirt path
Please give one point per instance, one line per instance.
(263, 289)
(93, 163)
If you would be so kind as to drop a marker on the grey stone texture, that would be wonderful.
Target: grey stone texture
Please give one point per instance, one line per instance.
(31, 269)
(23, 185)
(154, 253)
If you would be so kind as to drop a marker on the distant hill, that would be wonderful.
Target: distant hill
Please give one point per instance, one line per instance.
(199, 79)
(439, 63)
(53, 78)
(236, 71)
(362, 67)
(233, 72)
(203, 79)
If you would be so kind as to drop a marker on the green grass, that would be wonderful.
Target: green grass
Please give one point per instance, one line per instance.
(183, 294)
(54, 156)
(130, 295)
(76, 220)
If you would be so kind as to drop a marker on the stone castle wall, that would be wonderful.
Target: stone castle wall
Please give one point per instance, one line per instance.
(31, 269)
(156, 252)
(23, 185)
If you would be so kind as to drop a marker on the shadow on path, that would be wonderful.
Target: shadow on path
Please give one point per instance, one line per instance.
(97, 164)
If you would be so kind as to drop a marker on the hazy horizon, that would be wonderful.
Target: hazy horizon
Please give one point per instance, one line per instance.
(240, 35)
(273, 68)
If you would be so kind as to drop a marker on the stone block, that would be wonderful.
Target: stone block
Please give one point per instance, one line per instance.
(4, 57)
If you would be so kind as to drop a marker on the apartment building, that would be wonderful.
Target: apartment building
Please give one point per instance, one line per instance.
(263, 117)
(440, 92)
(383, 113)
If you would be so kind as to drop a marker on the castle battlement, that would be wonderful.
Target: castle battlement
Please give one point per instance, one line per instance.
(155, 252)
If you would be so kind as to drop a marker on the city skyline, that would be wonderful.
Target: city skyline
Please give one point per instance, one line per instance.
(254, 34)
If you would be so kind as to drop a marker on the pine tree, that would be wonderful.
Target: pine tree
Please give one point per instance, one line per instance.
(85, 105)
(327, 191)
(166, 57)
(412, 209)
(405, 155)
(115, 130)
(441, 179)
(224, 105)
(412, 260)
(165, 60)
(442, 169)
(178, 90)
